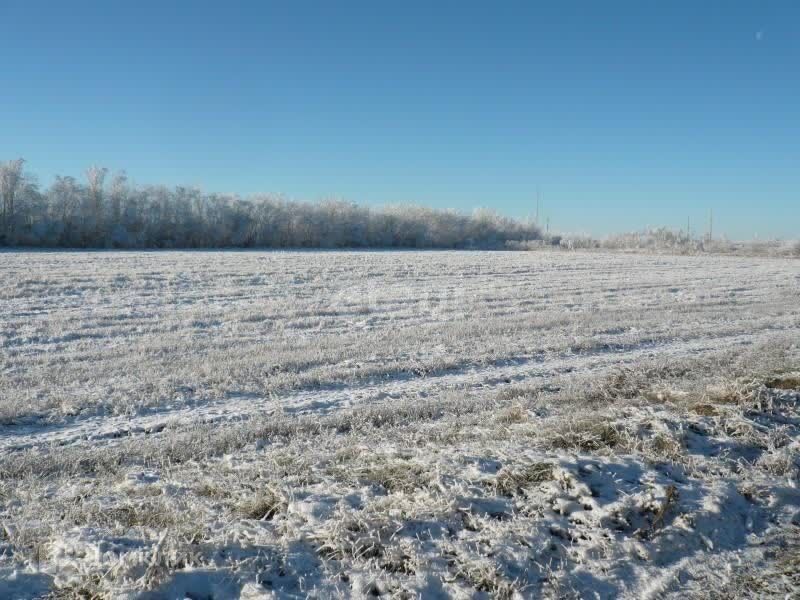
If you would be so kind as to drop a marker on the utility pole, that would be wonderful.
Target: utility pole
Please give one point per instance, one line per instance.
(688, 228)
(710, 224)
(538, 197)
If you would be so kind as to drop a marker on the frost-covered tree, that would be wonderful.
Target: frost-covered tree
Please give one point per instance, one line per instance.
(95, 176)
(124, 215)
(10, 182)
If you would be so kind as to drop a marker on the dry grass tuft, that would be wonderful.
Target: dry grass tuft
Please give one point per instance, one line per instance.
(349, 537)
(782, 464)
(736, 392)
(785, 382)
(401, 559)
(208, 489)
(513, 415)
(665, 447)
(89, 589)
(588, 435)
(263, 505)
(646, 382)
(705, 410)
(486, 577)
(511, 481)
(518, 392)
(392, 473)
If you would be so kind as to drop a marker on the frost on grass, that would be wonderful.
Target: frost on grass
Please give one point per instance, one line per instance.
(213, 426)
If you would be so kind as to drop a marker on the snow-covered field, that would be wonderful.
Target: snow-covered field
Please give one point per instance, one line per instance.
(407, 424)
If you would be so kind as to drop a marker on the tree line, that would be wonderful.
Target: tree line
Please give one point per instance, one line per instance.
(109, 211)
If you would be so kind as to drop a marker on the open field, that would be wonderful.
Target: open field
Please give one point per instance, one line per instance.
(443, 424)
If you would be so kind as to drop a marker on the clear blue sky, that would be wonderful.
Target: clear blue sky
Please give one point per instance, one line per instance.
(623, 114)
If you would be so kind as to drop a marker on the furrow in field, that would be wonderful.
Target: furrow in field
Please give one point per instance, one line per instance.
(105, 429)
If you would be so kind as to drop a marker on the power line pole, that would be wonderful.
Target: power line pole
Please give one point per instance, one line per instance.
(688, 228)
(710, 224)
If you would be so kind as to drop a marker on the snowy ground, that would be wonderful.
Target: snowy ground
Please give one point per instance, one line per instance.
(435, 424)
